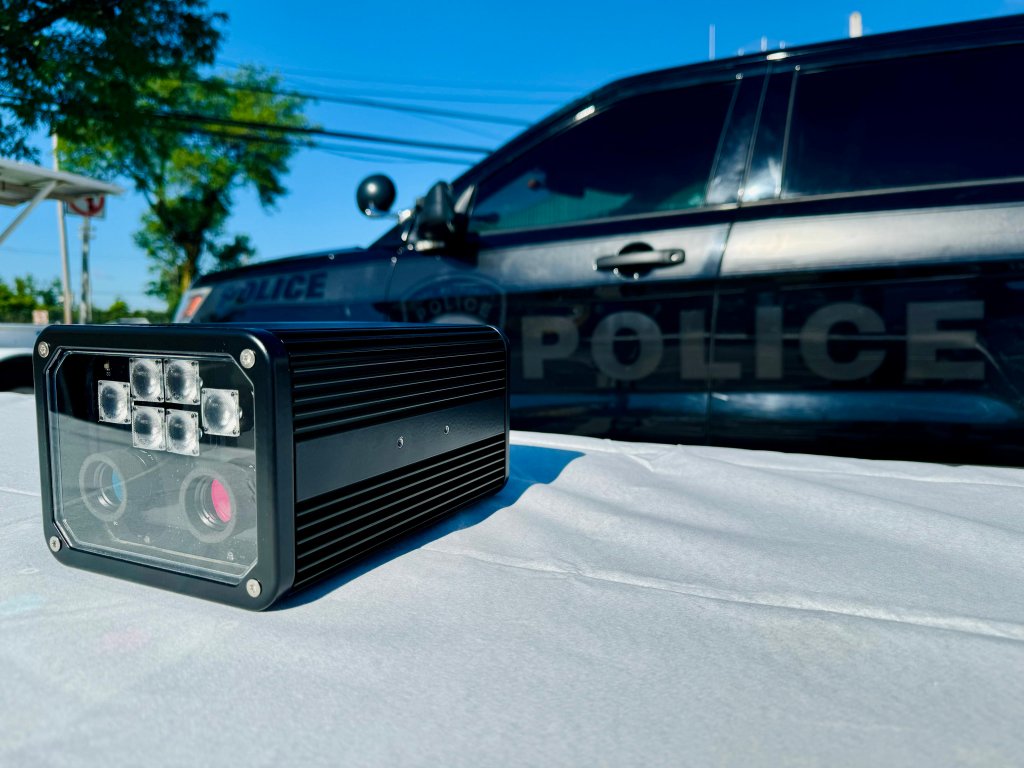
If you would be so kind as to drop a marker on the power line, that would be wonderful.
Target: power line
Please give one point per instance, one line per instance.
(562, 89)
(443, 99)
(357, 101)
(323, 132)
(190, 117)
(28, 251)
(471, 128)
(339, 149)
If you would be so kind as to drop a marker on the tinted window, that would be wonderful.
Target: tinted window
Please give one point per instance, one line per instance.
(926, 120)
(648, 153)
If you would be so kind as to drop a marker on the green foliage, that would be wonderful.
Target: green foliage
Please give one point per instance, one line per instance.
(190, 168)
(119, 310)
(24, 294)
(18, 300)
(83, 68)
(119, 82)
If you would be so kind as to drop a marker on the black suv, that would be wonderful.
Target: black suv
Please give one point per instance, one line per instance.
(819, 249)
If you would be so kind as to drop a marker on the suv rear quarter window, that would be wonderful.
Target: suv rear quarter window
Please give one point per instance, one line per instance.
(932, 119)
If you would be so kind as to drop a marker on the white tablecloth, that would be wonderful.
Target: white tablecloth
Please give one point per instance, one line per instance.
(616, 604)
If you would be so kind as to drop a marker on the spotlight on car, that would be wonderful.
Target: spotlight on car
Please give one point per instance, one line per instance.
(241, 464)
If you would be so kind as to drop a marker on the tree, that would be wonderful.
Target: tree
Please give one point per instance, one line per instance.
(24, 294)
(18, 300)
(119, 310)
(217, 138)
(81, 68)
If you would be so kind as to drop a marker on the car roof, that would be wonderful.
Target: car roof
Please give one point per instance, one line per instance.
(1000, 29)
(967, 34)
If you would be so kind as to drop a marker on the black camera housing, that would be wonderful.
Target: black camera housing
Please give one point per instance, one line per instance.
(363, 433)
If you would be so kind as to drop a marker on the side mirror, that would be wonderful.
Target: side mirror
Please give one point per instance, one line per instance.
(375, 196)
(435, 219)
(436, 224)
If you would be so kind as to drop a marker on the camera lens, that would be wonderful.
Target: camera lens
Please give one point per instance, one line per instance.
(103, 487)
(209, 504)
(117, 484)
(221, 501)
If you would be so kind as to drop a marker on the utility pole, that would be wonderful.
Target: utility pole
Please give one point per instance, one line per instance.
(63, 230)
(711, 42)
(85, 308)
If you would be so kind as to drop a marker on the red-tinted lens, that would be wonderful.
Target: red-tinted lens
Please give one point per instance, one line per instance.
(221, 501)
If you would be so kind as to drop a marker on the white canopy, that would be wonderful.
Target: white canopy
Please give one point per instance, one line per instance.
(21, 183)
(31, 184)
(24, 183)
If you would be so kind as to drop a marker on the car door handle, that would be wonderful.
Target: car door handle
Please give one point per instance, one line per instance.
(640, 261)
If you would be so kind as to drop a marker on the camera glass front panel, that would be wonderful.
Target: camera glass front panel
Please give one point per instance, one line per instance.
(154, 459)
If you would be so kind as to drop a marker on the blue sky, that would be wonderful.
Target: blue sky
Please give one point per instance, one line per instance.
(519, 60)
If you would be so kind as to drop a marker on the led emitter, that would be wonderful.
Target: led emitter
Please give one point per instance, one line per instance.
(113, 399)
(182, 432)
(148, 427)
(241, 464)
(221, 415)
(147, 379)
(181, 381)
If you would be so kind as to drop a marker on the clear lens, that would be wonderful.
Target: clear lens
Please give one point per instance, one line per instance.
(113, 480)
(148, 427)
(220, 411)
(113, 402)
(182, 432)
(147, 379)
(102, 483)
(181, 381)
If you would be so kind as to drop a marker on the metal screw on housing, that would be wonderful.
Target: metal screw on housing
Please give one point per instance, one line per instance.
(43, 349)
(54, 541)
(247, 358)
(401, 442)
(447, 429)
(253, 587)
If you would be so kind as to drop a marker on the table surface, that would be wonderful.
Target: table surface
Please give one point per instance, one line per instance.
(616, 604)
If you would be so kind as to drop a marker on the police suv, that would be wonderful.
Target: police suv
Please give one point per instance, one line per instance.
(816, 249)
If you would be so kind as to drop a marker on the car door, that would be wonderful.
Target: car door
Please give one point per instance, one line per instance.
(597, 250)
(871, 293)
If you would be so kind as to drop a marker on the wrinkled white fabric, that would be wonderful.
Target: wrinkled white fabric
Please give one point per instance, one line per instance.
(616, 604)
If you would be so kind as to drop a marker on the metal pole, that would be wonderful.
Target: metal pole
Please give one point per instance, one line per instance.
(85, 310)
(63, 230)
(40, 196)
(711, 42)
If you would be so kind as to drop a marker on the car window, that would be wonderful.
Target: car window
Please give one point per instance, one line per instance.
(643, 154)
(927, 120)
